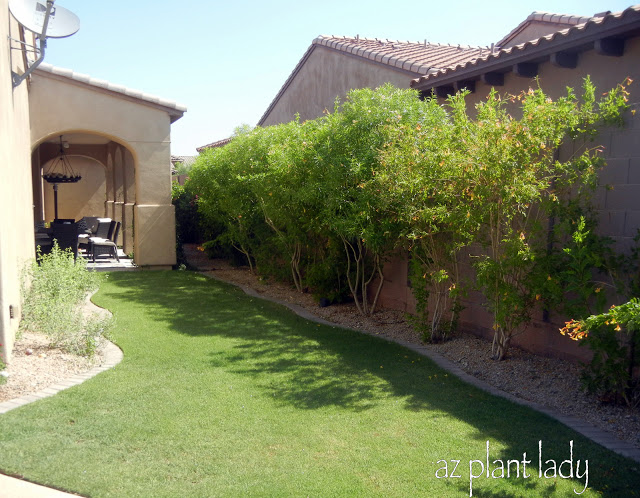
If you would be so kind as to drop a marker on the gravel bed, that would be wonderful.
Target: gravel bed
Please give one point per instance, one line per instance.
(551, 382)
(36, 365)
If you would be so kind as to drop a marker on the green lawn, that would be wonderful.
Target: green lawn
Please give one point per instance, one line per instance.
(220, 394)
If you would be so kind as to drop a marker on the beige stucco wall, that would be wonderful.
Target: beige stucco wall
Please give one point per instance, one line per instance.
(532, 31)
(325, 75)
(142, 130)
(16, 216)
(82, 199)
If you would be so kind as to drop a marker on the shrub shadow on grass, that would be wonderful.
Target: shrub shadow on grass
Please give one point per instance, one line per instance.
(309, 366)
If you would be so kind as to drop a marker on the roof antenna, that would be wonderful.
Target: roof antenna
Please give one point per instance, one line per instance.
(46, 21)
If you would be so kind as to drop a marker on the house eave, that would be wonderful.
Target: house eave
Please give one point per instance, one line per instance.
(576, 39)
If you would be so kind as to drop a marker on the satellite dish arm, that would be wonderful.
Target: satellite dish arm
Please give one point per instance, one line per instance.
(19, 78)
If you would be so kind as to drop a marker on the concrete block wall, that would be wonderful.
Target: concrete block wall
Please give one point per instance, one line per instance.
(617, 202)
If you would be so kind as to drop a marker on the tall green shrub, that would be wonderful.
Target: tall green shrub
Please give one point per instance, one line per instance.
(355, 208)
(422, 169)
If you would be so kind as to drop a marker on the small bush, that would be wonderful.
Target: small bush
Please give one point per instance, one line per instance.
(614, 339)
(325, 275)
(54, 288)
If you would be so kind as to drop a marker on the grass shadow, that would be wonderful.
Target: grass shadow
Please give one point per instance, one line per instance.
(308, 366)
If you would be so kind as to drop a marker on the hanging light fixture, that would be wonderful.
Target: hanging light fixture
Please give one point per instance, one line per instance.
(60, 170)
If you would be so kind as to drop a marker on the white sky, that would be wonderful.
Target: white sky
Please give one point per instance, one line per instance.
(226, 61)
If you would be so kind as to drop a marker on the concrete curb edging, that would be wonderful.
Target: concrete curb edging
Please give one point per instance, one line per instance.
(597, 435)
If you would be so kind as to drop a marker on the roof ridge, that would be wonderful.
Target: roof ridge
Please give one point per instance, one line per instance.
(212, 145)
(554, 18)
(424, 42)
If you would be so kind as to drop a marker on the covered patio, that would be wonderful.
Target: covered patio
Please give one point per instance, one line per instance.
(118, 141)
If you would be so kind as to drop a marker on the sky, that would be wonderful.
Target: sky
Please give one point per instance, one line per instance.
(226, 61)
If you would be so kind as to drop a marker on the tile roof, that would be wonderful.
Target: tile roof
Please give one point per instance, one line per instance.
(176, 110)
(583, 34)
(562, 20)
(212, 145)
(414, 58)
(185, 160)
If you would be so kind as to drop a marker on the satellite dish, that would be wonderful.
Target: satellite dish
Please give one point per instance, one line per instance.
(31, 14)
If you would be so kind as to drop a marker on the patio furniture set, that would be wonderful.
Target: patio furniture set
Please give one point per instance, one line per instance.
(92, 237)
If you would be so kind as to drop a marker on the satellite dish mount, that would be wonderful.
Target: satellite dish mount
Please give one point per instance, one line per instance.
(46, 21)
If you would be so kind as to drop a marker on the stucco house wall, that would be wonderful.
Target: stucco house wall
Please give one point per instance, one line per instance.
(16, 217)
(323, 75)
(119, 139)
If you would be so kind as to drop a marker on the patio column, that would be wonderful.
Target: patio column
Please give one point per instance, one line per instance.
(154, 221)
(108, 203)
(129, 202)
(118, 185)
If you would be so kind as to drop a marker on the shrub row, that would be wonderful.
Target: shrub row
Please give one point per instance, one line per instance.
(324, 203)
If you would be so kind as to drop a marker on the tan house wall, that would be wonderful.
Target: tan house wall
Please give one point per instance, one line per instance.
(16, 215)
(87, 200)
(325, 75)
(139, 196)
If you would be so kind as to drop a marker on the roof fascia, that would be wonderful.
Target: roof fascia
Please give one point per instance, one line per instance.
(570, 38)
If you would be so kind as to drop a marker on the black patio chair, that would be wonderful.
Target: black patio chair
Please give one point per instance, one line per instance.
(112, 227)
(67, 236)
(84, 232)
(106, 246)
(92, 223)
(102, 228)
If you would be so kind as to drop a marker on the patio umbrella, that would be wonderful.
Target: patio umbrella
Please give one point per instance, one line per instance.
(60, 171)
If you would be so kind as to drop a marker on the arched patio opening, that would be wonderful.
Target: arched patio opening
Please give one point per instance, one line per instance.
(107, 187)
